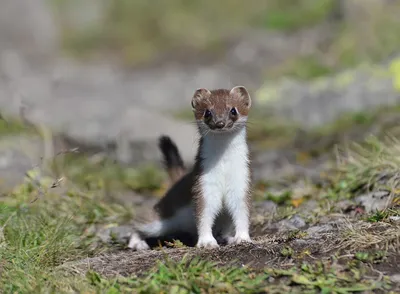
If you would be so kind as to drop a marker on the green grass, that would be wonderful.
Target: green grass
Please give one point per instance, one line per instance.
(289, 15)
(42, 228)
(205, 277)
(324, 277)
(105, 174)
(371, 166)
(12, 126)
(39, 236)
(195, 276)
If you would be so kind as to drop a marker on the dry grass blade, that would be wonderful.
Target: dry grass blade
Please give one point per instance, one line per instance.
(361, 235)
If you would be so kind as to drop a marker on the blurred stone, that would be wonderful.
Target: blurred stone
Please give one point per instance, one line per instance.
(81, 16)
(298, 222)
(325, 99)
(344, 205)
(293, 223)
(18, 154)
(314, 232)
(27, 27)
(374, 201)
(395, 219)
(266, 206)
(395, 278)
(277, 164)
(309, 206)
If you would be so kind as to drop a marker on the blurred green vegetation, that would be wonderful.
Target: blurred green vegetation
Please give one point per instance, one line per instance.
(105, 174)
(12, 126)
(290, 15)
(140, 31)
(365, 34)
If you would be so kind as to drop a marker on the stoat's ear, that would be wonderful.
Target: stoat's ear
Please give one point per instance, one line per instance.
(241, 94)
(199, 95)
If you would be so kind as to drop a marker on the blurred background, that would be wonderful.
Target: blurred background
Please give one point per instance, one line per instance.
(88, 86)
(114, 75)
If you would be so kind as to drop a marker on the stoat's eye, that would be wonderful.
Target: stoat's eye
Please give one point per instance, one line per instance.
(207, 113)
(234, 111)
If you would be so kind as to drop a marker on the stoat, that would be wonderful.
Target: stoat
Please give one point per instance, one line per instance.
(212, 201)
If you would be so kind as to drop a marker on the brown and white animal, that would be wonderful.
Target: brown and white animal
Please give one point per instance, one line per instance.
(212, 201)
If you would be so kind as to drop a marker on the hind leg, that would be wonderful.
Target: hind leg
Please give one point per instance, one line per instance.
(136, 243)
(153, 229)
(182, 221)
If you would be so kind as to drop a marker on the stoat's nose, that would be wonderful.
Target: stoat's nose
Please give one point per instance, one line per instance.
(220, 124)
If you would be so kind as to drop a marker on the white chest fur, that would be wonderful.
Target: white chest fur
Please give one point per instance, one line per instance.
(224, 182)
(224, 163)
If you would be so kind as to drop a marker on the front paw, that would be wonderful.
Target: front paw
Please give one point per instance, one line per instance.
(238, 239)
(209, 243)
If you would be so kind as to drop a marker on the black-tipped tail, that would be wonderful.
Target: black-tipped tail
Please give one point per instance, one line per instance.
(172, 159)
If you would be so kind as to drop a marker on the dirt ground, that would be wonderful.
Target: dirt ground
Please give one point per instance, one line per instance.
(276, 245)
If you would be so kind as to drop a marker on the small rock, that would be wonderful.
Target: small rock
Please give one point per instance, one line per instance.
(284, 225)
(294, 223)
(374, 201)
(16, 159)
(395, 278)
(267, 206)
(301, 242)
(271, 279)
(332, 219)
(344, 205)
(315, 231)
(395, 219)
(298, 222)
(309, 206)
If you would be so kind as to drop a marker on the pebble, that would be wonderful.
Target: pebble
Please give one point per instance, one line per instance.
(267, 206)
(374, 201)
(395, 278)
(395, 219)
(317, 230)
(294, 223)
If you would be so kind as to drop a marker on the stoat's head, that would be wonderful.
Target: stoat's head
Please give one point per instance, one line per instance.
(220, 111)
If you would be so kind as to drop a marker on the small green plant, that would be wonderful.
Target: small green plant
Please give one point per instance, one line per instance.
(296, 234)
(378, 216)
(287, 252)
(281, 198)
(175, 244)
(324, 277)
(372, 257)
